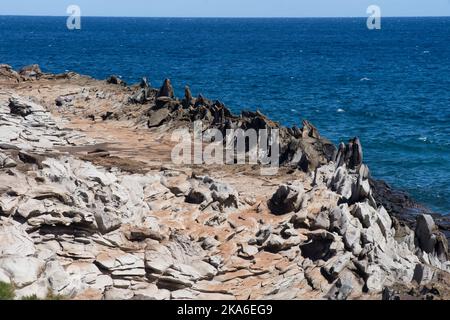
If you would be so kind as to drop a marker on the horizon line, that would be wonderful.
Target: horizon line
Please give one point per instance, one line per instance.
(220, 17)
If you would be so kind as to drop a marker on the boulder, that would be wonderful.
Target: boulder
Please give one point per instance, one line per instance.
(107, 220)
(7, 73)
(207, 191)
(223, 193)
(336, 265)
(199, 195)
(429, 239)
(24, 108)
(288, 198)
(158, 117)
(61, 283)
(423, 274)
(320, 221)
(248, 251)
(22, 271)
(159, 259)
(31, 71)
(140, 97)
(341, 289)
(116, 80)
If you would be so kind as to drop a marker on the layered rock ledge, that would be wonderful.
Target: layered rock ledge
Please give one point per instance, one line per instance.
(91, 207)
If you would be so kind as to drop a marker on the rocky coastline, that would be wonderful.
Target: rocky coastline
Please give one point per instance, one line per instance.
(91, 207)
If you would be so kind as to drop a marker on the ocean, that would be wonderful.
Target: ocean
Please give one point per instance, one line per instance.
(390, 87)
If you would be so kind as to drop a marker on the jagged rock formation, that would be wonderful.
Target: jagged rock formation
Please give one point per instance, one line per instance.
(303, 148)
(75, 220)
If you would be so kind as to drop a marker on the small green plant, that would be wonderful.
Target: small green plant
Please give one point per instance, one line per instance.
(6, 291)
(52, 296)
(32, 297)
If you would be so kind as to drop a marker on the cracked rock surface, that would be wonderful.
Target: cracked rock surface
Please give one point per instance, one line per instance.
(91, 206)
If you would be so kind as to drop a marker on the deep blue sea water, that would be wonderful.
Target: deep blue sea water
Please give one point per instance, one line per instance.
(389, 87)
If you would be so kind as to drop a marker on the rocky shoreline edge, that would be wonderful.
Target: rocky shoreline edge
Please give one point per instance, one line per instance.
(81, 218)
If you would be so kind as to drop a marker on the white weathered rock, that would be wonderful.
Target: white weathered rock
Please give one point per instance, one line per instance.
(107, 220)
(102, 282)
(39, 289)
(339, 219)
(76, 250)
(320, 221)
(31, 207)
(122, 264)
(14, 240)
(6, 162)
(342, 183)
(248, 251)
(4, 277)
(151, 292)
(60, 281)
(22, 271)
(338, 264)
(365, 213)
(118, 294)
(88, 172)
(184, 294)
(224, 194)
(376, 279)
(205, 270)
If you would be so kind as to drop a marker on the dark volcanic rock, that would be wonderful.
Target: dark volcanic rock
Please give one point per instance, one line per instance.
(202, 101)
(351, 154)
(188, 99)
(166, 90)
(116, 80)
(19, 107)
(23, 107)
(302, 148)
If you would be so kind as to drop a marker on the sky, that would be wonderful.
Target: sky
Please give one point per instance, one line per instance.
(227, 8)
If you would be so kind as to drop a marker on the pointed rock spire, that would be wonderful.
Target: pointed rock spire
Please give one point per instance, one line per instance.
(187, 94)
(166, 90)
(187, 101)
(309, 130)
(144, 83)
